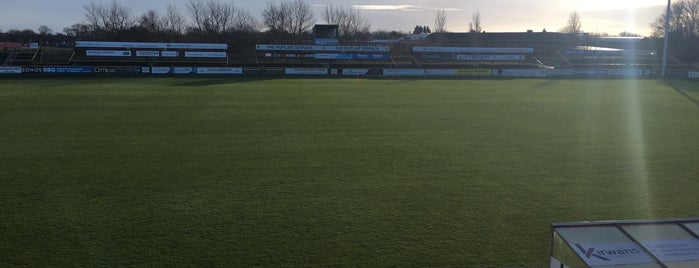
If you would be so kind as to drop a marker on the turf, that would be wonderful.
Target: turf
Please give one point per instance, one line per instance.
(331, 172)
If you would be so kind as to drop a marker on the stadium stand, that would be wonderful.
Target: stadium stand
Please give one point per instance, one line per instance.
(56, 57)
(150, 54)
(270, 55)
(22, 57)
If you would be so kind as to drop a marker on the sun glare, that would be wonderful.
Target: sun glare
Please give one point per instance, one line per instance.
(602, 5)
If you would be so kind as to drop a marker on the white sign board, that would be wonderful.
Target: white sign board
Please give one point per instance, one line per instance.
(170, 54)
(160, 70)
(609, 254)
(196, 54)
(440, 72)
(182, 70)
(489, 57)
(323, 48)
(108, 53)
(473, 50)
(147, 53)
(693, 74)
(306, 71)
(355, 71)
(10, 70)
(403, 72)
(674, 250)
(213, 70)
(124, 45)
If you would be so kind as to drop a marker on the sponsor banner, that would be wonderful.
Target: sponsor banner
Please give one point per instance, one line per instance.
(523, 72)
(32, 70)
(592, 72)
(198, 54)
(108, 53)
(693, 74)
(120, 70)
(355, 71)
(263, 71)
(323, 48)
(404, 72)
(306, 71)
(127, 45)
(170, 54)
(145, 70)
(490, 57)
(437, 57)
(674, 250)
(625, 72)
(53, 70)
(334, 56)
(610, 254)
(440, 72)
(160, 70)
(10, 70)
(215, 70)
(33, 45)
(524, 50)
(474, 72)
(183, 70)
(560, 72)
(147, 53)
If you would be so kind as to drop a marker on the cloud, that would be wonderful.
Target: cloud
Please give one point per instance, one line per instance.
(388, 7)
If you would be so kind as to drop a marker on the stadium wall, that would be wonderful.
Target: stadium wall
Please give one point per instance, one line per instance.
(337, 72)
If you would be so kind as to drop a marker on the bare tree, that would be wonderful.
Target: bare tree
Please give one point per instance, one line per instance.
(440, 22)
(244, 21)
(301, 17)
(574, 24)
(684, 19)
(45, 30)
(475, 25)
(174, 21)
(112, 19)
(197, 10)
(352, 24)
(151, 21)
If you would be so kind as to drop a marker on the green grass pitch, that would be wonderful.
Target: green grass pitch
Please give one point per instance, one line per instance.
(332, 172)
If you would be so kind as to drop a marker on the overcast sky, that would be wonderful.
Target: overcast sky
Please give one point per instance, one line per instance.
(610, 16)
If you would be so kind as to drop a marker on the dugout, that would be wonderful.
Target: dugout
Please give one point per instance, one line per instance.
(631, 244)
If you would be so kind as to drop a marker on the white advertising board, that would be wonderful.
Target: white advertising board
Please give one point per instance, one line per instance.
(610, 254)
(625, 72)
(96, 44)
(355, 71)
(674, 250)
(198, 54)
(160, 70)
(214, 70)
(404, 72)
(489, 57)
(323, 48)
(440, 72)
(10, 70)
(693, 74)
(306, 71)
(473, 50)
(145, 70)
(108, 53)
(170, 54)
(523, 72)
(182, 70)
(147, 53)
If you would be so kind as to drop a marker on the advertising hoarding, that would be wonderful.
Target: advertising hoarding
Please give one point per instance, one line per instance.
(128, 45)
(490, 57)
(108, 53)
(199, 54)
(524, 50)
(10, 70)
(218, 70)
(306, 71)
(323, 48)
